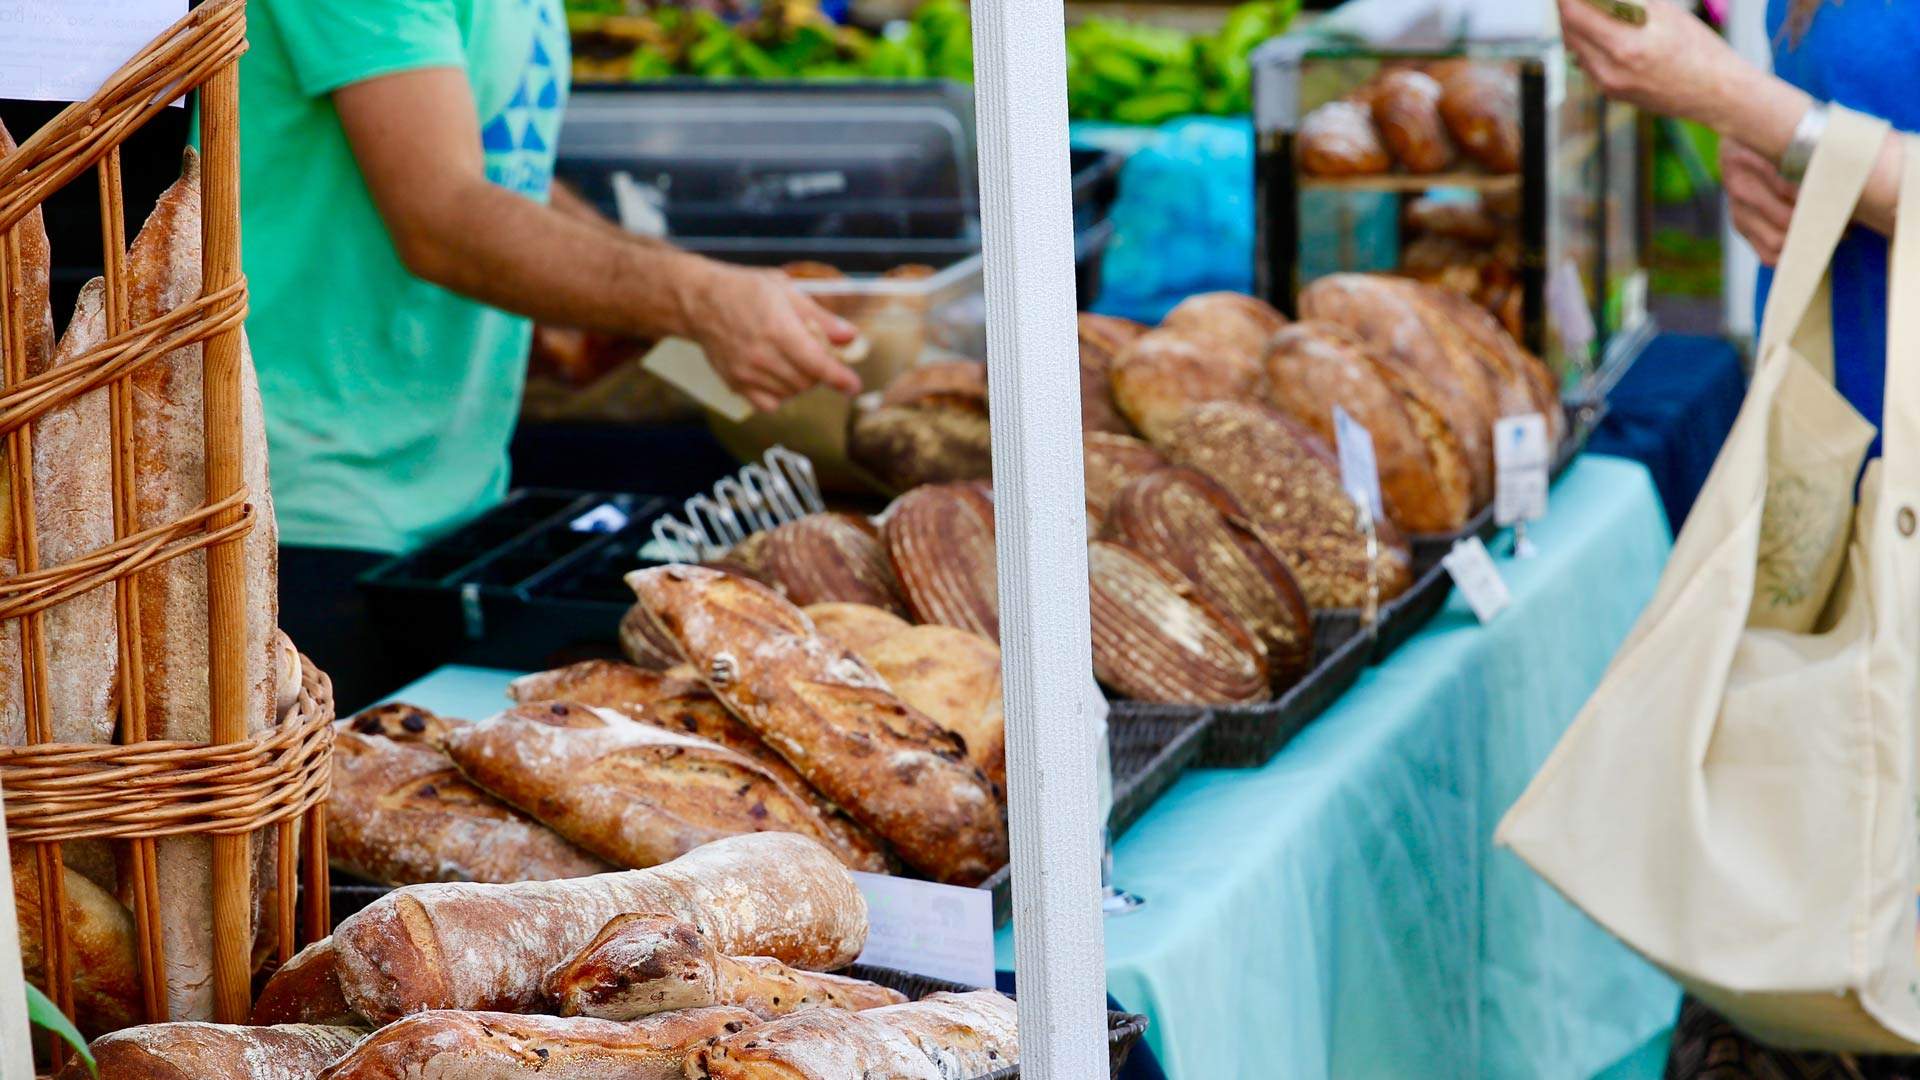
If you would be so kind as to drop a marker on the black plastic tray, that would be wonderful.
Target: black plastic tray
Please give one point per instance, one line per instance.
(1123, 1029)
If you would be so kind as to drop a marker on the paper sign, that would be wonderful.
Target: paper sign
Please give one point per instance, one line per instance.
(684, 364)
(1521, 463)
(940, 931)
(1359, 473)
(1479, 580)
(63, 50)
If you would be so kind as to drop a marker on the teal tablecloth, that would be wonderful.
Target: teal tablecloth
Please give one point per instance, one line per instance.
(1340, 913)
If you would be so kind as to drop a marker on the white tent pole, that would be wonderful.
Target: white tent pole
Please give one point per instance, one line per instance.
(1020, 87)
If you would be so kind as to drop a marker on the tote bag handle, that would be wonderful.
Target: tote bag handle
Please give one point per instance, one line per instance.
(1900, 420)
(1836, 178)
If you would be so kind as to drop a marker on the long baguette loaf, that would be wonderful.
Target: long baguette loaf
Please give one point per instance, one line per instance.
(941, 1037)
(170, 459)
(462, 946)
(635, 794)
(29, 294)
(897, 772)
(306, 990)
(639, 965)
(497, 1046)
(682, 703)
(199, 1051)
(401, 813)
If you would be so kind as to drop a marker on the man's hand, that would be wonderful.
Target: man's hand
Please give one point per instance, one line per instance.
(766, 338)
(1761, 202)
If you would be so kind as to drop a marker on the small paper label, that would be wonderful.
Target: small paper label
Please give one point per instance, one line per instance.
(1359, 473)
(1479, 580)
(1521, 463)
(940, 931)
(63, 50)
(605, 518)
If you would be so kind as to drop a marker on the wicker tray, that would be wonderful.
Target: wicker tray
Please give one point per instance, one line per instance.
(1123, 1029)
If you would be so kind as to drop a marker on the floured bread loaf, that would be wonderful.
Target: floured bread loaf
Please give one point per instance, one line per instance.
(941, 539)
(1156, 639)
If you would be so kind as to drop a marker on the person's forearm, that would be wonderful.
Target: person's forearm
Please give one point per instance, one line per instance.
(497, 247)
(1762, 110)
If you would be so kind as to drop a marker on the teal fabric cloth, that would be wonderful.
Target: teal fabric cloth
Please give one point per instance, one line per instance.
(1341, 912)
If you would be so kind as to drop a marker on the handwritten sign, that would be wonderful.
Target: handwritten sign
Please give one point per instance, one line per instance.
(1521, 464)
(1479, 580)
(63, 50)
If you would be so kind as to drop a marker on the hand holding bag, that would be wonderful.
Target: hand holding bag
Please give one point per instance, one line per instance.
(1737, 800)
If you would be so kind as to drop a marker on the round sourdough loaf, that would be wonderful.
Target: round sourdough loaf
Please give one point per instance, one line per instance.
(1113, 462)
(928, 427)
(1388, 314)
(1237, 320)
(940, 538)
(1190, 524)
(1166, 372)
(1101, 339)
(1156, 639)
(1287, 479)
(821, 558)
(1314, 367)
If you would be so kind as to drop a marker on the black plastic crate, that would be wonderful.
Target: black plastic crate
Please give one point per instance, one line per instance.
(527, 584)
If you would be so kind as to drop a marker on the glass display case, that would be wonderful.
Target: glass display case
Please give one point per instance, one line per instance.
(1489, 167)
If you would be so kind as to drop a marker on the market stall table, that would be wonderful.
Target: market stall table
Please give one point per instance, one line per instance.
(1340, 912)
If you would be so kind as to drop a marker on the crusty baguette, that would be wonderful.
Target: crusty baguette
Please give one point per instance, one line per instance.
(940, 1037)
(634, 794)
(641, 964)
(29, 292)
(462, 946)
(200, 1051)
(497, 1046)
(170, 459)
(854, 626)
(306, 990)
(106, 985)
(953, 676)
(400, 813)
(644, 642)
(897, 772)
(607, 683)
(405, 723)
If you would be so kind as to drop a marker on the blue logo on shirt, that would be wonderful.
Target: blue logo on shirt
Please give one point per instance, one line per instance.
(519, 140)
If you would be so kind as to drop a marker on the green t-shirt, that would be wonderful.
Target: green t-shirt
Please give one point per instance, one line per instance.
(389, 401)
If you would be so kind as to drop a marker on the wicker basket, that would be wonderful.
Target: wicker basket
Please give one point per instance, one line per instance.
(138, 790)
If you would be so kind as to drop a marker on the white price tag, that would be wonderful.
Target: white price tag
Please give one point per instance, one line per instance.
(940, 931)
(63, 50)
(1359, 472)
(1479, 580)
(1521, 462)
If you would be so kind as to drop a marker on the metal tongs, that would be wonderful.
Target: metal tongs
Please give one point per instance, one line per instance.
(780, 488)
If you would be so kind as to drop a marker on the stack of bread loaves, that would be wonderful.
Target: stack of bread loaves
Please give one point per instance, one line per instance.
(1214, 499)
(770, 726)
(709, 966)
(73, 515)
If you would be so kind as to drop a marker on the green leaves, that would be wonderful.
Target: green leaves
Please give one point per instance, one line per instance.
(42, 1013)
(1137, 74)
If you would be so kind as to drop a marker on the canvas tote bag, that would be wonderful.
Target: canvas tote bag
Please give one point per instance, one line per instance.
(1737, 799)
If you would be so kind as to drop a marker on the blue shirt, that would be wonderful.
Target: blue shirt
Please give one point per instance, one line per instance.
(1865, 55)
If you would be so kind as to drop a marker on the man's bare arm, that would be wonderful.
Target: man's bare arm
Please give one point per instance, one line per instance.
(417, 140)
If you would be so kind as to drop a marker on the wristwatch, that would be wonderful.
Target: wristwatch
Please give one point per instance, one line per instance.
(1806, 138)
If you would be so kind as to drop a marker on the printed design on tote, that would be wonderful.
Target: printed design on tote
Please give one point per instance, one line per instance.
(1801, 523)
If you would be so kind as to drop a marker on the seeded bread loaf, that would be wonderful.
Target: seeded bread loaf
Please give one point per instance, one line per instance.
(827, 712)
